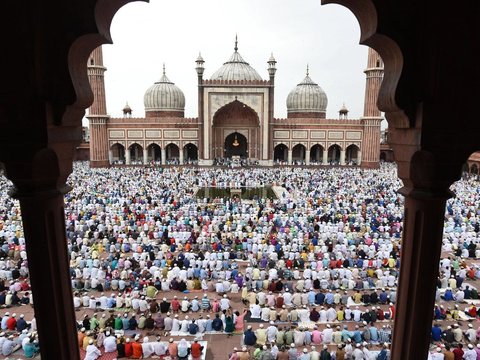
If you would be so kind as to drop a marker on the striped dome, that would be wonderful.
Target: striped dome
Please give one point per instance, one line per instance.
(164, 96)
(307, 96)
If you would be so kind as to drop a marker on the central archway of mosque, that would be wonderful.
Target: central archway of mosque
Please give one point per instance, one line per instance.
(236, 132)
(236, 145)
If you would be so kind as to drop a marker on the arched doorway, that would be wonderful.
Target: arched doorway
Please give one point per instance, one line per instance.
(298, 154)
(334, 154)
(474, 169)
(154, 153)
(117, 154)
(316, 154)
(383, 156)
(351, 155)
(190, 152)
(236, 144)
(136, 154)
(172, 153)
(240, 118)
(280, 153)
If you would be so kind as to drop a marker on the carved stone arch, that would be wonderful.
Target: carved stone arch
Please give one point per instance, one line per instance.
(339, 144)
(153, 142)
(295, 143)
(133, 142)
(48, 97)
(474, 169)
(115, 142)
(356, 143)
(299, 151)
(174, 142)
(317, 150)
(388, 49)
(280, 151)
(172, 150)
(234, 101)
(428, 68)
(352, 152)
(193, 142)
(154, 151)
(286, 143)
(190, 150)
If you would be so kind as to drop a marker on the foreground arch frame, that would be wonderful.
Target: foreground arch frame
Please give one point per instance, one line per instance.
(41, 110)
(427, 70)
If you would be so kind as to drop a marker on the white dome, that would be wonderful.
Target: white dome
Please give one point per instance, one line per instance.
(236, 69)
(307, 96)
(164, 95)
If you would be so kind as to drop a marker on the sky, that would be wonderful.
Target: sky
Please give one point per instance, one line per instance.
(297, 32)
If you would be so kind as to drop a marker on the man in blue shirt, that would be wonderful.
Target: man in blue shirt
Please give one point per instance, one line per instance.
(436, 333)
(217, 323)
(383, 354)
(448, 296)
(249, 337)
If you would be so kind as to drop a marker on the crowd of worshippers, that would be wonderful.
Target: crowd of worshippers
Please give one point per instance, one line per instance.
(98, 343)
(143, 232)
(181, 316)
(333, 306)
(288, 352)
(16, 333)
(448, 342)
(457, 351)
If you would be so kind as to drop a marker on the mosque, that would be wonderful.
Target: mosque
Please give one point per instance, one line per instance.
(235, 121)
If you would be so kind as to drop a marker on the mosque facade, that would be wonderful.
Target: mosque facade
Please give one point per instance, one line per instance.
(235, 121)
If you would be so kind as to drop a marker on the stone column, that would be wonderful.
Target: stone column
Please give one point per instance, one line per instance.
(359, 157)
(289, 161)
(307, 157)
(127, 156)
(421, 247)
(342, 157)
(181, 155)
(164, 156)
(325, 157)
(110, 157)
(40, 190)
(145, 156)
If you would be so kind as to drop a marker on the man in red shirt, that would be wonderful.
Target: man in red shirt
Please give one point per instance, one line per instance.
(458, 352)
(128, 348)
(12, 322)
(172, 348)
(175, 304)
(137, 351)
(391, 310)
(196, 350)
(279, 301)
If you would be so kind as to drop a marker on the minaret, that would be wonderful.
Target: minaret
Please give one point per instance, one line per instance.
(372, 117)
(200, 69)
(97, 113)
(272, 69)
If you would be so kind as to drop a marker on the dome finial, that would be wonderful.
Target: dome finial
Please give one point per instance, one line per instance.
(163, 68)
(308, 72)
(236, 42)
